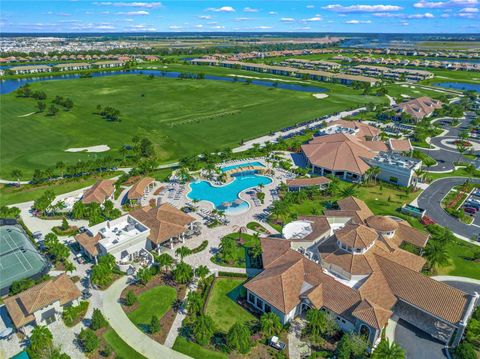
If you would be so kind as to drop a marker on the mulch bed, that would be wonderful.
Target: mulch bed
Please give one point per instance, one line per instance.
(163, 279)
(131, 180)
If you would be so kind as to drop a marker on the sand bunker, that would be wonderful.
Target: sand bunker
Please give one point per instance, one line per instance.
(99, 148)
(404, 96)
(320, 95)
(27, 114)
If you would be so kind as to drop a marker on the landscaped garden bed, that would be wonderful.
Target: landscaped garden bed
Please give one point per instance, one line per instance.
(254, 226)
(239, 250)
(159, 298)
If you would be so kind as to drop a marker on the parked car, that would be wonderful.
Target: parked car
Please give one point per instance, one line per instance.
(275, 342)
(470, 210)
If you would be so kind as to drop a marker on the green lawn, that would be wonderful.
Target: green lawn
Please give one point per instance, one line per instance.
(155, 301)
(461, 263)
(196, 351)
(12, 195)
(181, 117)
(120, 348)
(222, 306)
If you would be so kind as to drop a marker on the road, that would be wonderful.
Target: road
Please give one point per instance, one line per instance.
(431, 198)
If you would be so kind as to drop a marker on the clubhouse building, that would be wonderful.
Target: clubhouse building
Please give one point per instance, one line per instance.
(100, 192)
(348, 149)
(418, 108)
(127, 237)
(350, 264)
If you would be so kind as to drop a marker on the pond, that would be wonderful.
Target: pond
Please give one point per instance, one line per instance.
(462, 86)
(7, 86)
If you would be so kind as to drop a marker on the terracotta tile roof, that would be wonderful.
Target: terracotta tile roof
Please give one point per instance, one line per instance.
(306, 182)
(354, 204)
(273, 248)
(372, 314)
(319, 224)
(364, 129)
(376, 146)
(315, 296)
(400, 145)
(356, 235)
(99, 192)
(89, 243)
(420, 107)
(355, 216)
(423, 292)
(339, 152)
(406, 233)
(382, 223)
(164, 221)
(22, 306)
(138, 189)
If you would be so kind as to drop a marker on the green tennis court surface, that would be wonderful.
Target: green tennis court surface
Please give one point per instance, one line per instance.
(18, 257)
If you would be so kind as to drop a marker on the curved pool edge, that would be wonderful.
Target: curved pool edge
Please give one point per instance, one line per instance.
(229, 213)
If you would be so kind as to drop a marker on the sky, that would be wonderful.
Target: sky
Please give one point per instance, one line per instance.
(394, 16)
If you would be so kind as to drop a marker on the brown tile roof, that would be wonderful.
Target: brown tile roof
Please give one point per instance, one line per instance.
(315, 296)
(423, 292)
(420, 107)
(339, 152)
(372, 314)
(89, 243)
(320, 226)
(376, 146)
(22, 306)
(406, 233)
(306, 182)
(138, 189)
(400, 145)
(364, 130)
(354, 204)
(164, 221)
(356, 235)
(382, 223)
(99, 192)
(273, 248)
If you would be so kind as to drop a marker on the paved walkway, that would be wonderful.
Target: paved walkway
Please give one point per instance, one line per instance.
(262, 140)
(296, 347)
(126, 330)
(176, 325)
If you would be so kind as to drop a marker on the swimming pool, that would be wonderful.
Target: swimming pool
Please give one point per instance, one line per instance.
(240, 165)
(220, 195)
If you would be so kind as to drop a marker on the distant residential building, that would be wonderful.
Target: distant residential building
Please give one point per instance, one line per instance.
(395, 74)
(72, 66)
(108, 64)
(33, 69)
(100, 192)
(43, 303)
(311, 64)
(418, 108)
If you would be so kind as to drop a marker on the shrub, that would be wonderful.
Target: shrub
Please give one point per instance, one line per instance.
(88, 340)
(130, 298)
(232, 274)
(98, 320)
(73, 314)
(107, 351)
(154, 325)
(465, 351)
(201, 247)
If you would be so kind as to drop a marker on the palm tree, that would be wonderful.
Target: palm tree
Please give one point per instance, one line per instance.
(69, 267)
(461, 150)
(436, 254)
(202, 271)
(194, 303)
(240, 230)
(182, 252)
(349, 191)
(165, 260)
(387, 350)
(270, 324)
(376, 172)
(17, 174)
(41, 337)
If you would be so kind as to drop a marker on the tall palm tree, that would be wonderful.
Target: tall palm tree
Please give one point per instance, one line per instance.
(183, 252)
(202, 271)
(164, 260)
(436, 254)
(387, 350)
(240, 230)
(41, 337)
(270, 324)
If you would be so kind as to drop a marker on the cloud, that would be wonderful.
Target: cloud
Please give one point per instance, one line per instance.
(316, 18)
(175, 27)
(218, 27)
(404, 23)
(199, 26)
(423, 4)
(354, 22)
(387, 14)
(242, 19)
(470, 10)
(262, 27)
(205, 17)
(362, 8)
(272, 13)
(146, 5)
(134, 13)
(427, 15)
(249, 9)
(303, 28)
(287, 19)
(310, 6)
(221, 9)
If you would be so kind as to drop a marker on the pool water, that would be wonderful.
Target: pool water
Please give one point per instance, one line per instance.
(240, 165)
(204, 191)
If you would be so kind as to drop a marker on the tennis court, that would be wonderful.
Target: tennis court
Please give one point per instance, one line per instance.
(18, 257)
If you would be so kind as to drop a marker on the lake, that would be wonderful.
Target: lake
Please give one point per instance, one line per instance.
(462, 86)
(7, 86)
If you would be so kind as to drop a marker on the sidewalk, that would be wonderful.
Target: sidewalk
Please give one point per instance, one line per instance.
(126, 330)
